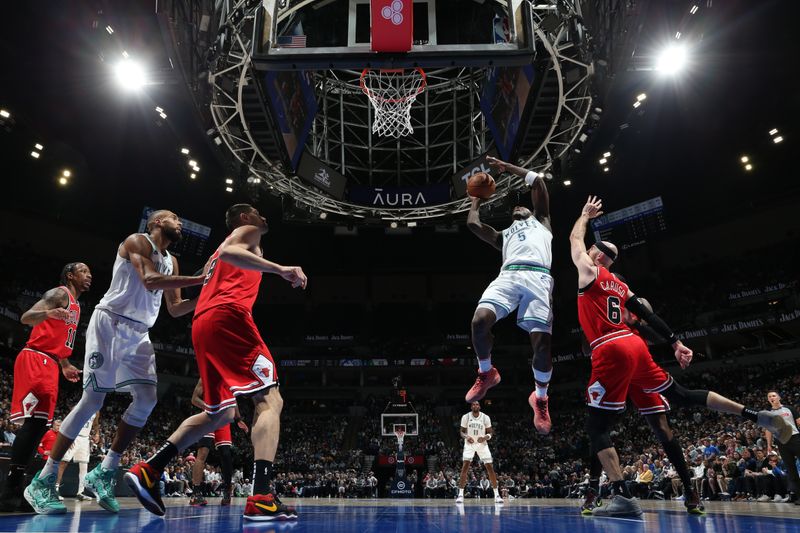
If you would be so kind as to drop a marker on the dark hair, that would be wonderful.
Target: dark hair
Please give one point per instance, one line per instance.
(775, 391)
(233, 212)
(68, 268)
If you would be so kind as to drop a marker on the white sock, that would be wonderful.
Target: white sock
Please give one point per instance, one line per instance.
(50, 468)
(460, 492)
(496, 494)
(542, 377)
(111, 460)
(484, 365)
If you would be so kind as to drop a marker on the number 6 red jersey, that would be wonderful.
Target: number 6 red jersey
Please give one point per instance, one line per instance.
(56, 337)
(600, 309)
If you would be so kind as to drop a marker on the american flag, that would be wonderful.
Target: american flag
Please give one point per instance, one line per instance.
(292, 41)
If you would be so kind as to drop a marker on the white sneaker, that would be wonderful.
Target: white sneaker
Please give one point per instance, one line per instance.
(778, 498)
(763, 498)
(785, 499)
(498, 499)
(679, 498)
(460, 498)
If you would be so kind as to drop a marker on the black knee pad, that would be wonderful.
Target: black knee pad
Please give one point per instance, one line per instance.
(680, 396)
(597, 426)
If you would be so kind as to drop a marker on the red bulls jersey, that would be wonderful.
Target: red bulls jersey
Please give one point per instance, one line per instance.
(600, 309)
(226, 284)
(57, 337)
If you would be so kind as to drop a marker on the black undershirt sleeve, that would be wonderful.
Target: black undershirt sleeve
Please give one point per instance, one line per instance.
(637, 308)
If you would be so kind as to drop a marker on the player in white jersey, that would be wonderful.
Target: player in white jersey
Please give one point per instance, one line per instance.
(79, 453)
(476, 430)
(119, 354)
(524, 284)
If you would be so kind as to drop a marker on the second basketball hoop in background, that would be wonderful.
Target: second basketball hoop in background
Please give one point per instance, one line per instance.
(391, 93)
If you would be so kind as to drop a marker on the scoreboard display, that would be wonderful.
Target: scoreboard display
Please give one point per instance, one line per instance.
(632, 225)
(193, 240)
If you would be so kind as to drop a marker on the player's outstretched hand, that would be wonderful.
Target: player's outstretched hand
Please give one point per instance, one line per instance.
(496, 164)
(59, 313)
(295, 276)
(683, 354)
(593, 207)
(71, 373)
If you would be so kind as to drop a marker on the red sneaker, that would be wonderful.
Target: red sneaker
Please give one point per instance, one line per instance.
(541, 416)
(484, 382)
(265, 507)
(143, 481)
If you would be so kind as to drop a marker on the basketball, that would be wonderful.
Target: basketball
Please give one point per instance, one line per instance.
(480, 185)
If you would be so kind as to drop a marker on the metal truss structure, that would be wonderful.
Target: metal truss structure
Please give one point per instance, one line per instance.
(450, 130)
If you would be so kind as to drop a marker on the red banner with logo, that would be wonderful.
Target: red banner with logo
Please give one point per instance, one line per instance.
(392, 25)
(411, 460)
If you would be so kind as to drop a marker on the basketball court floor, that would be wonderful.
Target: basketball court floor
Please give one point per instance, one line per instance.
(411, 516)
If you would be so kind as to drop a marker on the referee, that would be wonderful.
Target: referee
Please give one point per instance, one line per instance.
(791, 450)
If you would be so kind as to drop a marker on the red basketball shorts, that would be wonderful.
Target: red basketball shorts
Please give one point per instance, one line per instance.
(221, 436)
(231, 356)
(35, 386)
(624, 368)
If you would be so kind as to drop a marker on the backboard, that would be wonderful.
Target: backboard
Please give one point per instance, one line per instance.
(396, 414)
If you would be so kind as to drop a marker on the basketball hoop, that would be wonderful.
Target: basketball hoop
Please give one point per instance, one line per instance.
(392, 92)
(400, 433)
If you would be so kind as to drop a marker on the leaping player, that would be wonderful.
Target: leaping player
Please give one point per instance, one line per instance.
(622, 364)
(525, 284)
(476, 430)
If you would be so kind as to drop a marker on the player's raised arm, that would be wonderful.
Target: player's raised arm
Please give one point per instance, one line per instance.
(483, 231)
(644, 311)
(137, 249)
(539, 194)
(52, 305)
(587, 272)
(239, 249)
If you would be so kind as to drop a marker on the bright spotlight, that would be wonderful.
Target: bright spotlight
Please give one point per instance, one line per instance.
(567, 183)
(66, 173)
(777, 139)
(62, 180)
(4, 113)
(603, 161)
(130, 75)
(748, 166)
(185, 151)
(110, 30)
(641, 97)
(773, 131)
(229, 189)
(35, 155)
(196, 168)
(636, 104)
(745, 159)
(672, 59)
(38, 146)
(393, 225)
(605, 169)
(229, 181)
(693, 10)
(323, 215)
(193, 175)
(192, 163)
(607, 154)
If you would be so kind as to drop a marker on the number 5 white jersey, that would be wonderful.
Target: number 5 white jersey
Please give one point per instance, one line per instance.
(527, 242)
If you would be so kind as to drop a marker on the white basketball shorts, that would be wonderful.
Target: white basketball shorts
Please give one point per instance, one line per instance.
(79, 451)
(481, 448)
(528, 291)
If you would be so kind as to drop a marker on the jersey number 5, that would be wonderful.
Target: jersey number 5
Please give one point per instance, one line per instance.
(613, 310)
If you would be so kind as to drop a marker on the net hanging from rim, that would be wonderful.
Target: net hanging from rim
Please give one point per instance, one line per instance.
(392, 92)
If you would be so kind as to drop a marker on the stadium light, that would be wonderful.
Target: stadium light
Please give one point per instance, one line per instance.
(567, 183)
(603, 161)
(110, 30)
(185, 151)
(323, 215)
(229, 189)
(66, 173)
(192, 175)
(607, 154)
(192, 163)
(130, 75)
(773, 131)
(777, 139)
(636, 104)
(693, 10)
(62, 180)
(229, 181)
(745, 159)
(125, 54)
(748, 167)
(393, 225)
(605, 169)
(641, 97)
(677, 35)
(162, 115)
(671, 60)
(38, 146)
(4, 113)
(196, 168)
(35, 155)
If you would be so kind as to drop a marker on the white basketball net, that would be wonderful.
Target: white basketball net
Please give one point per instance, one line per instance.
(392, 92)
(400, 433)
